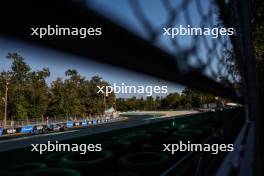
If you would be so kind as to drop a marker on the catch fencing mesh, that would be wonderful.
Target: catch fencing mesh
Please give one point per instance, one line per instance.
(214, 57)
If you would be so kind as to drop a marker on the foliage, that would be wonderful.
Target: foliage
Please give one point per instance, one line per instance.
(258, 33)
(188, 99)
(29, 95)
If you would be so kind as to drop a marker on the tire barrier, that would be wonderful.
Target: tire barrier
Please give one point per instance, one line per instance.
(158, 133)
(207, 128)
(119, 148)
(127, 142)
(152, 146)
(133, 142)
(121, 136)
(175, 126)
(157, 145)
(130, 152)
(21, 169)
(91, 162)
(54, 172)
(145, 163)
(135, 139)
(53, 159)
(119, 174)
(188, 134)
(170, 128)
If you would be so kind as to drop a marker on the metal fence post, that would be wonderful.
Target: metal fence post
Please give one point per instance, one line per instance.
(252, 91)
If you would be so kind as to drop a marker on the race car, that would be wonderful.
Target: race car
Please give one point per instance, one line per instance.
(55, 127)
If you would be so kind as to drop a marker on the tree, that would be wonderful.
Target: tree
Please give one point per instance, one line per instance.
(258, 40)
(37, 93)
(195, 99)
(171, 101)
(73, 104)
(18, 106)
(29, 96)
(56, 97)
(2, 94)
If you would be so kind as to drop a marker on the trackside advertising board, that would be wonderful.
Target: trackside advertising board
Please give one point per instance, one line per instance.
(27, 129)
(69, 124)
(1, 131)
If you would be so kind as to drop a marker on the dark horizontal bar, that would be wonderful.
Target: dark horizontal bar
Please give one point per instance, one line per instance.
(117, 46)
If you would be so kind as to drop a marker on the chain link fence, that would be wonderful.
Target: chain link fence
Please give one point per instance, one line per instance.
(203, 62)
(213, 57)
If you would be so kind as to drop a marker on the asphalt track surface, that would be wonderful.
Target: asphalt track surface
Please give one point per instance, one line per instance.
(130, 121)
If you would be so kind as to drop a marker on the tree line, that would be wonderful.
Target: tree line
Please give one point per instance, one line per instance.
(30, 96)
(187, 99)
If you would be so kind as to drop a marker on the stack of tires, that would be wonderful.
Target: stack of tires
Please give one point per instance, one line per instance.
(22, 169)
(91, 163)
(189, 134)
(37, 169)
(130, 154)
(144, 163)
(128, 142)
(65, 164)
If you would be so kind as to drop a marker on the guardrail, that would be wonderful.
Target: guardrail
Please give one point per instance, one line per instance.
(239, 157)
